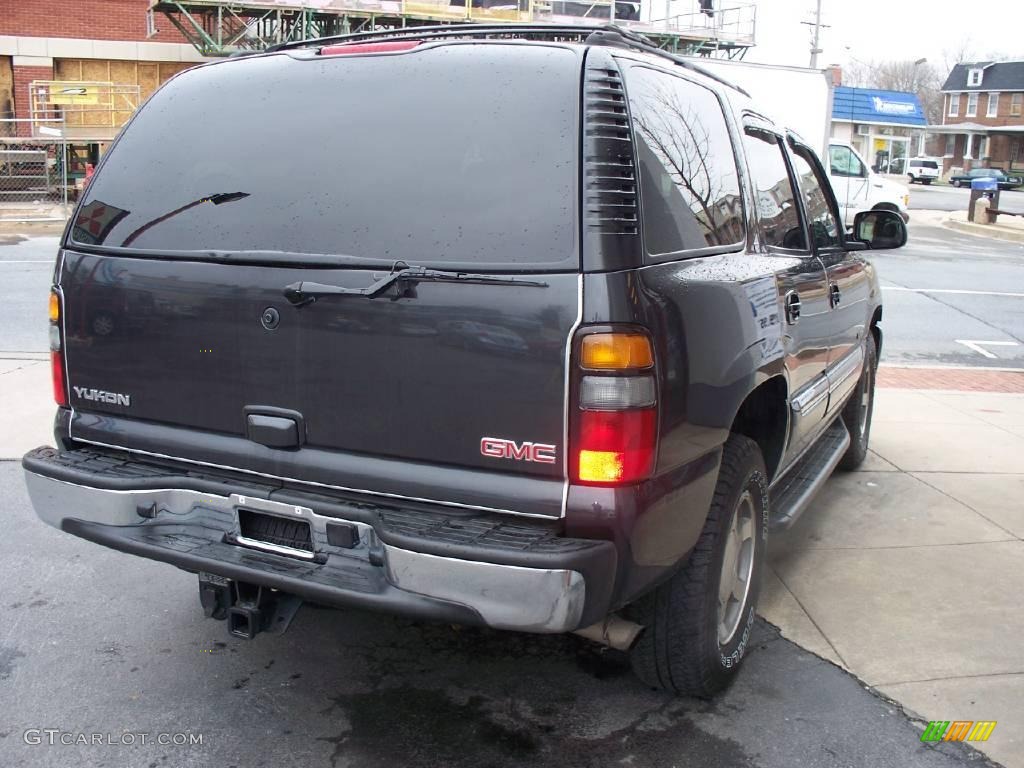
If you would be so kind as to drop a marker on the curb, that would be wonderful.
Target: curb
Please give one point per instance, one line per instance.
(985, 230)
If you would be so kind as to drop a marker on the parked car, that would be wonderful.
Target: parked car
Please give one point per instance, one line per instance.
(858, 188)
(1003, 181)
(922, 169)
(719, 330)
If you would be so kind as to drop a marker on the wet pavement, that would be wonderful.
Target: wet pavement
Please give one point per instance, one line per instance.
(93, 641)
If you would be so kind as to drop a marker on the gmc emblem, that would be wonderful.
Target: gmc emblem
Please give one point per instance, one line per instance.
(499, 448)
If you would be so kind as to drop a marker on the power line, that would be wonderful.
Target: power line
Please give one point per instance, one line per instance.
(815, 44)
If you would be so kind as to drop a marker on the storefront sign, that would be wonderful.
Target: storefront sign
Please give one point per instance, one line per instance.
(887, 107)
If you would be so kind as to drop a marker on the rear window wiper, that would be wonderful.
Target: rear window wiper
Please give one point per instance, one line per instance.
(306, 292)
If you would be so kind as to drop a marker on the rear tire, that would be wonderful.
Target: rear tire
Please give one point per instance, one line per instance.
(695, 635)
(858, 410)
(926, 182)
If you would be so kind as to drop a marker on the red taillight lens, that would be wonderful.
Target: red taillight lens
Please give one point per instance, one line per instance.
(60, 394)
(614, 447)
(385, 46)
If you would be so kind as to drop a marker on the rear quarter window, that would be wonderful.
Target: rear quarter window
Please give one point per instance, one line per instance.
(445, 156)
(689, 186)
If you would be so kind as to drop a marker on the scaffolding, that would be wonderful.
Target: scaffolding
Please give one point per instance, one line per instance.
(86, 110)
(225, 27)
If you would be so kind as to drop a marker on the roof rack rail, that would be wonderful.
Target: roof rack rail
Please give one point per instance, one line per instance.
(597, 34)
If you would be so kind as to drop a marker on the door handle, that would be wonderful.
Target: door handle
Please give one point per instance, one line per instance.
(792, 307)
(834, 293)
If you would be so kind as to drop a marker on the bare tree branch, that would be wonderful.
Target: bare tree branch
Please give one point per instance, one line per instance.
(922, 79)
(678, 137)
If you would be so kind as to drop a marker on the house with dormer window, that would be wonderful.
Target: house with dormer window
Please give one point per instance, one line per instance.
(982, 117)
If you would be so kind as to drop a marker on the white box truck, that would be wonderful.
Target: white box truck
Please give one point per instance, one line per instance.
(801, 100)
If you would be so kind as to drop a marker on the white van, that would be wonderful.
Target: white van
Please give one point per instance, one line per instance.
(858, 188)
(923, 169)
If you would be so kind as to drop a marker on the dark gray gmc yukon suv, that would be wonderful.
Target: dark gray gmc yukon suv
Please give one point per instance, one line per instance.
(535, 328)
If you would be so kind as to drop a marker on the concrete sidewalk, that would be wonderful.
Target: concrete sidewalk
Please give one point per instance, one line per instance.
(1010, 228)
(1006, 227)
(908, 573)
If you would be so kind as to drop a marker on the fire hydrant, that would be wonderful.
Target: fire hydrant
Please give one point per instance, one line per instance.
(981, 214)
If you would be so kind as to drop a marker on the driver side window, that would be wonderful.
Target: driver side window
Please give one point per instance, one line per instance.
(777, 205)
(821, 218)
(842, 162)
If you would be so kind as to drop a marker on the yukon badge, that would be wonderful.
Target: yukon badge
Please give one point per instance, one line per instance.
(100, 396)
(499, 448)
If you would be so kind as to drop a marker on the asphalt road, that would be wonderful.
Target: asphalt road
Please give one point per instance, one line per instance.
(944, 288)
(93, 641)
(941, 197)
(980, 296)
(26, 271)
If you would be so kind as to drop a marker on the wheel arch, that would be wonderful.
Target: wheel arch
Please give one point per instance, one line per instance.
(763, 416)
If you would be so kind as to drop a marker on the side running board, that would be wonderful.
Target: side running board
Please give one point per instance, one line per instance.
(792, 493)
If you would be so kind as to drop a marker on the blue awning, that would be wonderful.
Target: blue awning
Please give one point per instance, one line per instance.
(870, 105)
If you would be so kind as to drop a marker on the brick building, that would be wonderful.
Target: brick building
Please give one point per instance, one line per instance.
(113, 42)
(982, 117)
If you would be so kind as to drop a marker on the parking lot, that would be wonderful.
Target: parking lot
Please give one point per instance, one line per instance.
(895, 600)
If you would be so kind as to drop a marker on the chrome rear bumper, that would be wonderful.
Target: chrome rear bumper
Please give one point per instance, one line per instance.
(198, 531)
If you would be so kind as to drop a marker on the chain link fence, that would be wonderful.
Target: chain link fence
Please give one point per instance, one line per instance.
(34, 177)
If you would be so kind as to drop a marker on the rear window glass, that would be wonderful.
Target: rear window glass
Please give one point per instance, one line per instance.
(924, 164)
(689, 187)
(442, 156)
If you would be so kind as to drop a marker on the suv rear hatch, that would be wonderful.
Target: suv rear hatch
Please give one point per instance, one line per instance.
(240, 180)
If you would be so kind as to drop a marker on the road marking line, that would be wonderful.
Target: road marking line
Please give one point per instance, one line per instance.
(976, 345)
(27, 261)
(953, 290)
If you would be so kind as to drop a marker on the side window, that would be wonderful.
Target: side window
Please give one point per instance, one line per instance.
(821, 220)
(689, 187)
(778, 212)
(842, 162)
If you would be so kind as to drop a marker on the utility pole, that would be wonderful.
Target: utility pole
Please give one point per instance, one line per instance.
(816, 41)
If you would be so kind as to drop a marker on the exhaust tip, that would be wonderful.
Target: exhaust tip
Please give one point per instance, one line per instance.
(613, 632)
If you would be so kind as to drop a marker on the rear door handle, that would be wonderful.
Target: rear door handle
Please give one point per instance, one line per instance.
(834, 292)
(792, 302)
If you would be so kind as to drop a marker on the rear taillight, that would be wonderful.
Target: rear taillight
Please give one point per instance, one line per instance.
(60, 392)
(615, 424)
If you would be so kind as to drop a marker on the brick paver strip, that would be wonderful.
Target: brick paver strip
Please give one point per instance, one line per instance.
(962, 379)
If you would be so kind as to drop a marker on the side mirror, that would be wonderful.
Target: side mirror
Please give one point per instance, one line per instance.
(880, 229)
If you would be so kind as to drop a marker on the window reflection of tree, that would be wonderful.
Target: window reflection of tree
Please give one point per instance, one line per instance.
(677, 135)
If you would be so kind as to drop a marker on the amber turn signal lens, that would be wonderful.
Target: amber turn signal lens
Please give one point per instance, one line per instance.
(616, 351)
(54, 307)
